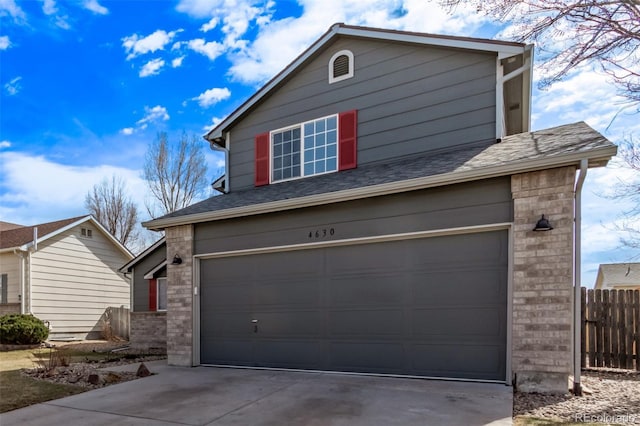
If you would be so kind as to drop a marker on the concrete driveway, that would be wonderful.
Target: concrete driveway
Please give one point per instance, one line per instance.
(226, 396)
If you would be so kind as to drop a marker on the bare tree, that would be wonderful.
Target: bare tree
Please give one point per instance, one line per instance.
(109, 203)
(570, 33)
(629, 191)
(175, 173)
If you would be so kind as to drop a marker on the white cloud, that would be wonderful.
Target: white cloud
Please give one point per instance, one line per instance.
(210, 49)
(13, 86)
(209, 25)
(95, 7)
(177, 62)
(155, 114)
(199, 8)
(5, 43)
(10, 8)
(127, 131)
(49, 7)
(151, 68)
(214, 122)
(212, 96)
(278, 42)
(29, 182)
(136, 45)
(5, 144)
(62, 22)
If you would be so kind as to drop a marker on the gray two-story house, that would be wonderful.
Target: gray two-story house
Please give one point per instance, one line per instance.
(378, 215)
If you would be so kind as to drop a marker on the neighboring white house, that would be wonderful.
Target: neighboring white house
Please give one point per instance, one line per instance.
(63, 272)
(618, 276)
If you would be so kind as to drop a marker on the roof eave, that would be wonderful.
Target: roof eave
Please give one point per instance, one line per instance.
(597, 158)
(127, 267)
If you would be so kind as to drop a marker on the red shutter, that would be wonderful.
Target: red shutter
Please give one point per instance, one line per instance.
(348, 139)
(153, 295)
(262, 159)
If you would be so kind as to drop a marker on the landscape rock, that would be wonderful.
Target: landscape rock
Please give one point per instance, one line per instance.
(143, 371)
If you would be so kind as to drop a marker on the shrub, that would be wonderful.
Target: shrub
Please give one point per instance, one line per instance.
(19, 329)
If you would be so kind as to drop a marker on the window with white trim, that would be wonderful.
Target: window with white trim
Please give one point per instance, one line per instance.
(162, 293)
(308, 149)
(341, 66)
(318, 146)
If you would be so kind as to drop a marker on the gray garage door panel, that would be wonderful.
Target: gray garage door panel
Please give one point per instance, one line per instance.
(430, 306)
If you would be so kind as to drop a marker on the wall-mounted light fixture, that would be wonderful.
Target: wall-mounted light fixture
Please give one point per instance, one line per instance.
(176, 260)
(543, 225)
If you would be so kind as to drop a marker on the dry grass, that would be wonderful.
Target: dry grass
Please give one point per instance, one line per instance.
(18, 390)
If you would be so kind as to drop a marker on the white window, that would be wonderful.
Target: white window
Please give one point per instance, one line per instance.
(162, 294)
(341, 66)
(306, 149)
(86, 232)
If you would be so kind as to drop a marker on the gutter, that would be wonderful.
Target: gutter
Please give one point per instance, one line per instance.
(526, 165)
(577, 336)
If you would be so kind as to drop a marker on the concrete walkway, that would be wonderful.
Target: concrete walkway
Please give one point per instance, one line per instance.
(225, 396)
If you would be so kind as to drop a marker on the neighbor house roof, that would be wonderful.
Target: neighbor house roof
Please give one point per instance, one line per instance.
(16, 237)
(543, 149)
(503, 49)
(5, 226)
(22, 238)
(618, 275)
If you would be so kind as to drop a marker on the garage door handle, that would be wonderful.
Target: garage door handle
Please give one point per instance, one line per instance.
(255, 325)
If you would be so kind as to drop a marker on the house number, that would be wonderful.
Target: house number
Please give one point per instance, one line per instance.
(322, 233)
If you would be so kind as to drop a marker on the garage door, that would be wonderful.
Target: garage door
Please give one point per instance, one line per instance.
(425, 307)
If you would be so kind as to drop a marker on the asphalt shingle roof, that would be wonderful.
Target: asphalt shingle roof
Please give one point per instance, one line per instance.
(567, 140)
(19, 236)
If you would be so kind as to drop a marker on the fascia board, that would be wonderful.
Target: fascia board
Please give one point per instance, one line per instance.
(523, 166)
(58, 231)
(142, 255)
(217, 131)
(149, 275)
(486, 46)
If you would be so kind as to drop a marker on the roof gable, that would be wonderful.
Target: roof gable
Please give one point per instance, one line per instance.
(23, 238)
(500, 48)
(146, 252)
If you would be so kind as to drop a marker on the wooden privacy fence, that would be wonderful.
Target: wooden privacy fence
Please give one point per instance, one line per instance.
(116, 322)
(611, 328)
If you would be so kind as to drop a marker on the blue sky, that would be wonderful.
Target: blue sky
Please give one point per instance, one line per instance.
(86, 84)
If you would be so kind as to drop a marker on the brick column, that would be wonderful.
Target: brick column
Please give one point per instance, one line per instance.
(543, 280)
(180, 296)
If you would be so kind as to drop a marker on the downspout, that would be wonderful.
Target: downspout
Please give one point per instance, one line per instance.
(32, 249)
(577, 326)
(20, 254)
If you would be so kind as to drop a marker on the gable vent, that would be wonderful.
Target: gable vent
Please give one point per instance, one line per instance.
(341, 66)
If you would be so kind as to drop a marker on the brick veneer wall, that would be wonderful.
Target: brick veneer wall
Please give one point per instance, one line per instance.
(148, 330)
(543, 280)
(180, 296)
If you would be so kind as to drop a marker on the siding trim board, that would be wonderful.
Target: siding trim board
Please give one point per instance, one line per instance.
(360, 240)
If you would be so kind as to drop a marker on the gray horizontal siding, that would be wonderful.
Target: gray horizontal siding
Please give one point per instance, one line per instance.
(409, 99)
(140, 285)
(476, 203)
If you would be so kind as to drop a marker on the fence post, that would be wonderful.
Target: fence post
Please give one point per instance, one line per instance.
(583, 325)
(615, 329)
